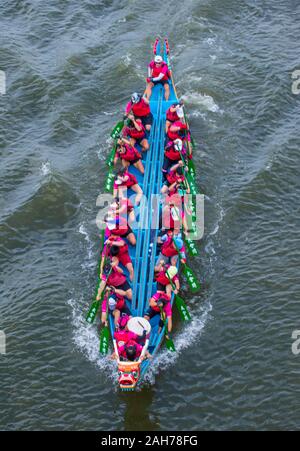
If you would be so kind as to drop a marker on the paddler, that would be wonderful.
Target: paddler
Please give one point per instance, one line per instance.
(136, 132)
(174, 151)
(124, 181)
(128, 155)
(177, 130)
(166, 276)
(158, 73)
(171, 242)
(160, 304)
(174, 113)
(132, 351)
(123, 207)
(173, 214)
(116, 281)
(116, 306)
(175, 180)
(117, 249)
(139, 106)
(118, 225)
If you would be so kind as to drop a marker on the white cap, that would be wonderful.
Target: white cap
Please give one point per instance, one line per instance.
(112, 303)
(158, 59)
(172, 272)
(178, 144)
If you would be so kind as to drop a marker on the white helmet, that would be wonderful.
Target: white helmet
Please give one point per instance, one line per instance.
(158, 59)
(178, 145)
(135, 98)
(112, 303)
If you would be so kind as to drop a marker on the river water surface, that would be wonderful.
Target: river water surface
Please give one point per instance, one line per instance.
(70, 67)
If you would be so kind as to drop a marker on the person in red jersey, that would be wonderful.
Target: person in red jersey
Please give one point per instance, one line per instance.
(123, 207)
(172, 247)
(136, 132)
(140, 107)
(178, 130)
(174, 152)
(118, 226)
(116, 305)
(160, 303)
(125, 181)
(117, 249)
(158, 73)
(174, 113)
(175, 180)
(128, 155)
(165, 277)
(112, 276)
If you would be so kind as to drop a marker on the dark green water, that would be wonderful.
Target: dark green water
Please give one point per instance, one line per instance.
(70, 68)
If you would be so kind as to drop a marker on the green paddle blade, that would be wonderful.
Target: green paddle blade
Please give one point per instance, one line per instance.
(191, 279)
(192, 184)
(111, 157)
(191, 247)
(110, 181)
(192, 168)
(170, 344)
(92, 313)
(182, 308)
(117, 130)
(104, 340)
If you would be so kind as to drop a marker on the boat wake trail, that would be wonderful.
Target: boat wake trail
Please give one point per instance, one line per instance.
(202, 100)
(190, 335)
(86, 339)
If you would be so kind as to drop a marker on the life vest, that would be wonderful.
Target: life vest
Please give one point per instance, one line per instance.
(123, 336)
(122, 249)
(172, 177)
(131, 181)
(116, 279)
(156, 71)
(121, 226)
(141, 109)
(158, 296)
(168, 249)
(172, 115)
(171, 153)
(134, 133)
(128, 183)
(131, 153)
(178, 134)
(162, 278)
(120, 302)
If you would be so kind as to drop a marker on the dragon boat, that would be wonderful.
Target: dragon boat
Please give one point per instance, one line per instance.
(146, 230)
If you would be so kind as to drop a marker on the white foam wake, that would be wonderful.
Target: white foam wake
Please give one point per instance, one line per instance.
(184, 340)
(86, 338)
(203, 100)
